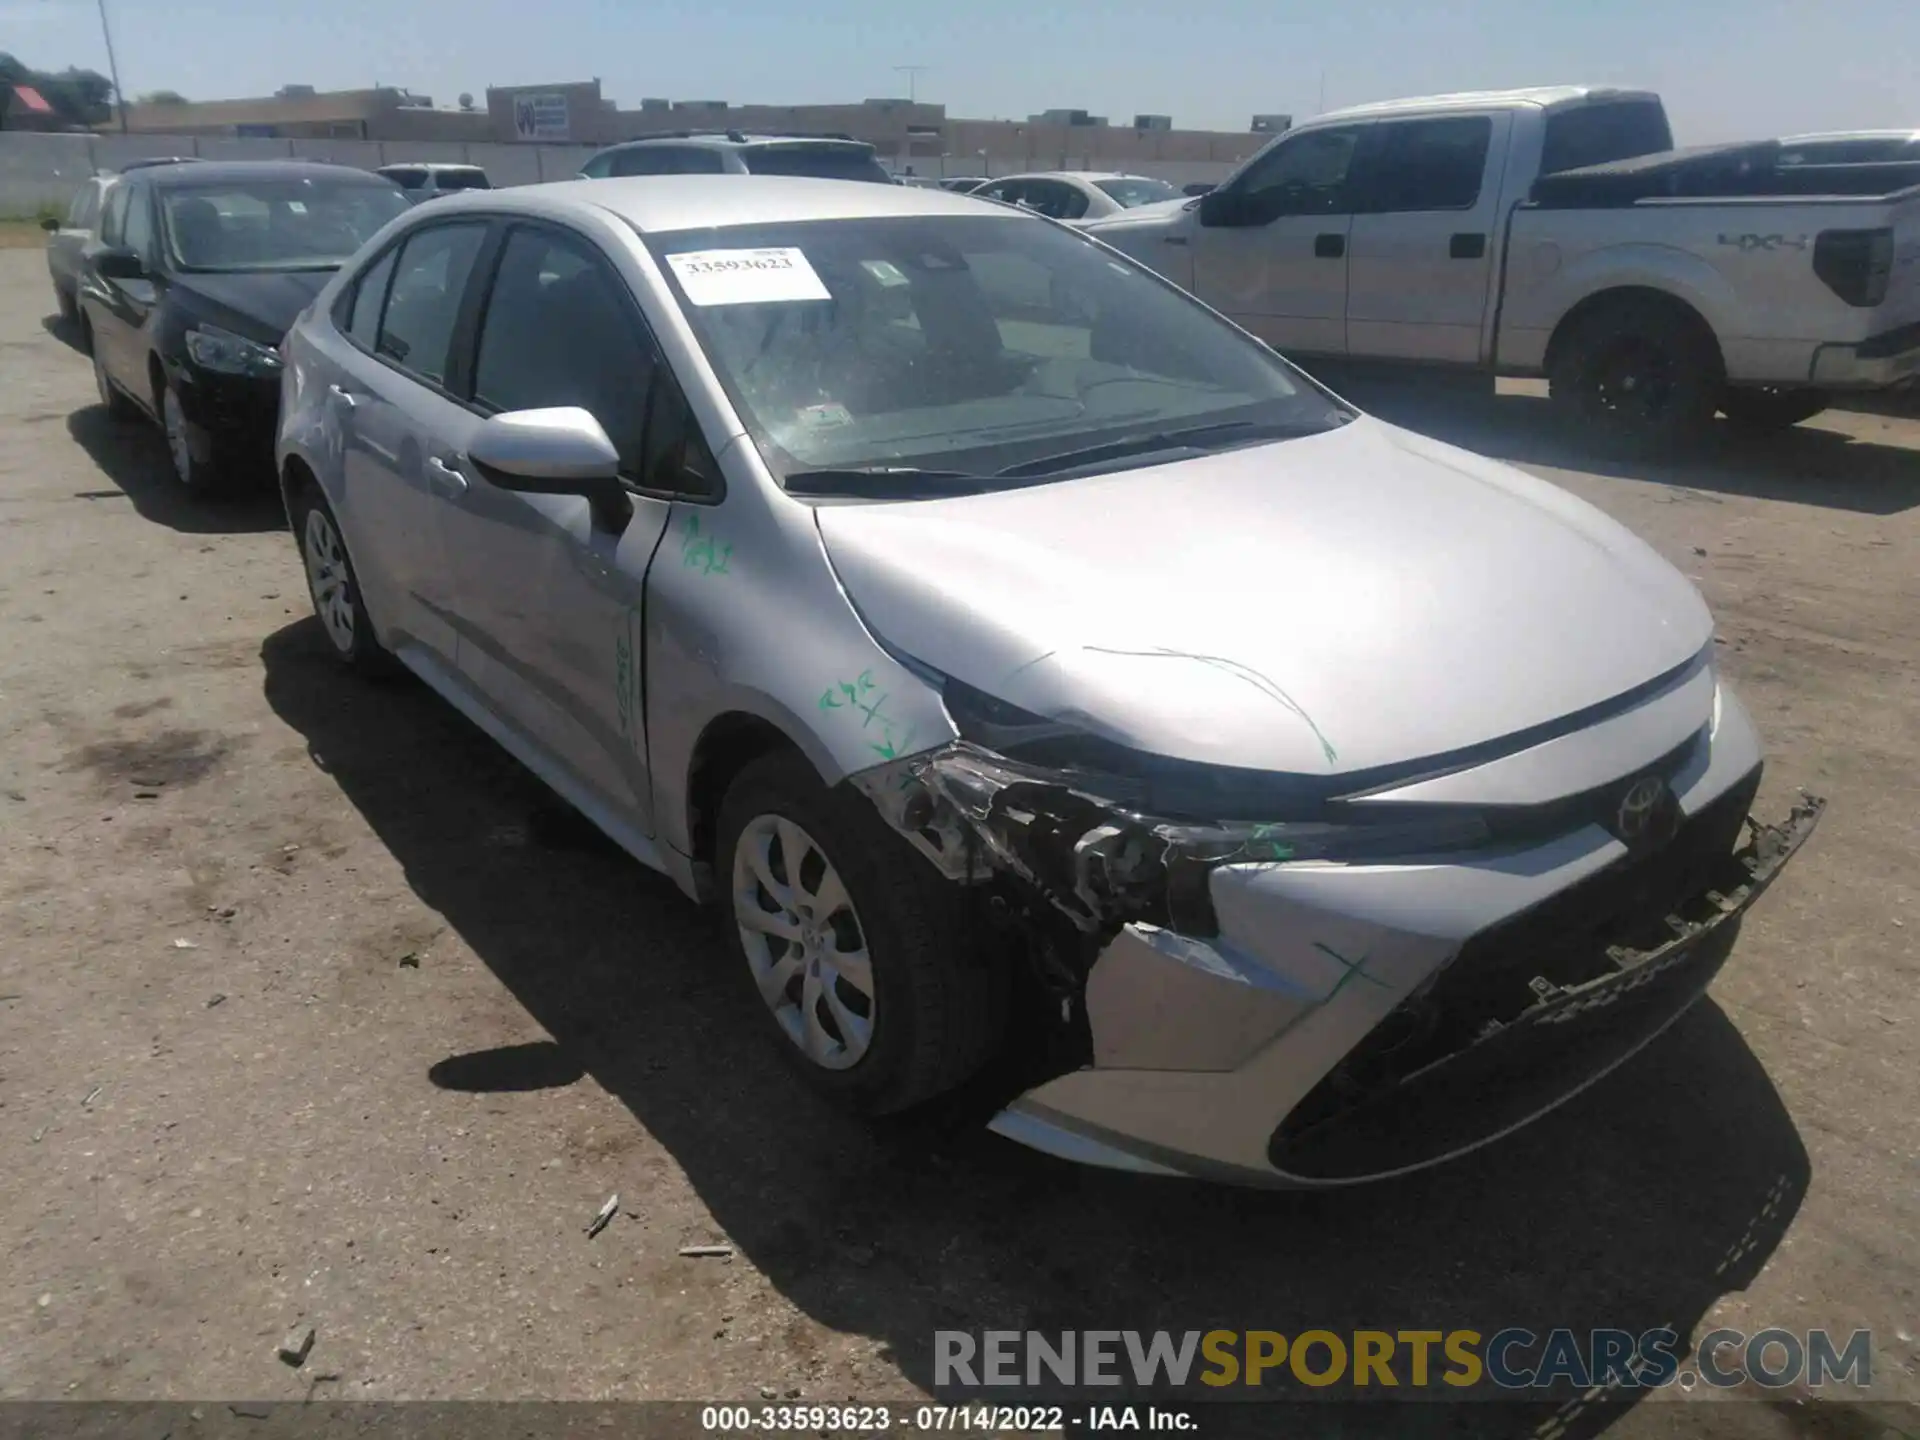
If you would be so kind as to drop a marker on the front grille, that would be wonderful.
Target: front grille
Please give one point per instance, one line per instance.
(1563, 940)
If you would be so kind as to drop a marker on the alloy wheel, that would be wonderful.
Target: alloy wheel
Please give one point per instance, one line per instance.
(1634, 381)
(803, 941)
(329, 579)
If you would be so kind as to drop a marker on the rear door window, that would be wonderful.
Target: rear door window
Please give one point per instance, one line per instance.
(423, 306)
(1427, 164)
(1597, 134)
(369, 299)
(821, 162)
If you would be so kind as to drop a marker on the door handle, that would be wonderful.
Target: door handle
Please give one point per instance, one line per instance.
(446, 477)
(1329, 246)
(1467, 246)
(345, 397)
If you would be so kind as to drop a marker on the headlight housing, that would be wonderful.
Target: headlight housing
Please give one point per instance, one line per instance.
(1109, 834)
(226, 353)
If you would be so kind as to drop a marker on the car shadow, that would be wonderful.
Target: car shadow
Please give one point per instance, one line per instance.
(66, 331)
(1807, 464)
(133, 455)
(1636, 1206)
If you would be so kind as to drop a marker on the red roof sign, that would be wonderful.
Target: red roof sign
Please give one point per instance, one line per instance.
(32, 99)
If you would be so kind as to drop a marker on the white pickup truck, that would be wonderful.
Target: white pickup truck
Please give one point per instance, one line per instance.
(1556, 232)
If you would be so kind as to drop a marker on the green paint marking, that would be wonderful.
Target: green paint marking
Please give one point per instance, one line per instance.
(1353, 970)
(705, 555)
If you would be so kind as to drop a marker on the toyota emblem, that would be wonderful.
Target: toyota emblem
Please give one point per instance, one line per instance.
(1639, 808)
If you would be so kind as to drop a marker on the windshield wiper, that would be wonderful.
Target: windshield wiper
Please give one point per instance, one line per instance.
(1197, 437)
(886, 482)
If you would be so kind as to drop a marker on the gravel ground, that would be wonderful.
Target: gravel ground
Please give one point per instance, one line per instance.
(314, 1011)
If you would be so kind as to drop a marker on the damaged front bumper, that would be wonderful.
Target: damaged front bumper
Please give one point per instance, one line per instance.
(1254, 1016)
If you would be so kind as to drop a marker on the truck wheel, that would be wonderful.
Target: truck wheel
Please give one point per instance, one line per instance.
(1766, 409)
(1635, 377)
(852, 947)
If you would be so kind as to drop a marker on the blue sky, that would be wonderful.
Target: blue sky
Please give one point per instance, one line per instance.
(1728, 70)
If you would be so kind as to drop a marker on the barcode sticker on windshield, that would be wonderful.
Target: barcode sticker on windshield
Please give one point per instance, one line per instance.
(746, 277)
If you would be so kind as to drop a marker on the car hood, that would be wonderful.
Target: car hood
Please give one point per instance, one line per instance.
(261, 306)
(1357, 599)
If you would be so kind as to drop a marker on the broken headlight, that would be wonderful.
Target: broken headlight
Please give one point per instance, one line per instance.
(1110, 835)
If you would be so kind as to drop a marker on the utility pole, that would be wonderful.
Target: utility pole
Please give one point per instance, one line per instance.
(913, 77)
(113, 66)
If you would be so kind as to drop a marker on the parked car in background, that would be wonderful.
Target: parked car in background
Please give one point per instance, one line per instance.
(425, 181)
(962, 184)
(68, 238)
(1851, 147)
(1077, 194)
(732, 152)
(195, 274)
(1556, 232)
(833, 564)
(147, 162)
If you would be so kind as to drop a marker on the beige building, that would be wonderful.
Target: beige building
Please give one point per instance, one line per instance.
(917, 135)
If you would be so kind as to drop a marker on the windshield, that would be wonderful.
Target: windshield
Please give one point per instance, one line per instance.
(821, 162)
(462, 180)
(1134, 190)
(964, 344)
(292, 224)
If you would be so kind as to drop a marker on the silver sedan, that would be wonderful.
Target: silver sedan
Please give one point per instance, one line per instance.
(1056, 689)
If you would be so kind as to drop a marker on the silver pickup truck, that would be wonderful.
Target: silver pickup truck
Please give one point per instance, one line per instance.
(1557, 232)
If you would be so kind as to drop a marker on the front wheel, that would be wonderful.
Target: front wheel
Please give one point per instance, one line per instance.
(195, 465)
(1634, 377)
(852, 946)
(1767, 409)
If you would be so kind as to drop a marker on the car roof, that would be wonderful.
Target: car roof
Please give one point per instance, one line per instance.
(1543, 97)
(736, 140)
(431, 165)
(1831, 136)
(216, 172)
(1087, 175)
(657, 203)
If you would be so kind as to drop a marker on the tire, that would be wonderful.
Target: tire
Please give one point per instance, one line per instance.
(932, 1001)
(1635, 377)
(118, 405)
(334, 587)
(1767, 410)
(203, 478)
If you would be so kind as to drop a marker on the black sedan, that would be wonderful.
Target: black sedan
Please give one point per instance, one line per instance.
(195, 276)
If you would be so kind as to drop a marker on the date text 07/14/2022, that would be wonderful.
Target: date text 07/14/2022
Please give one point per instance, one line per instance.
(936, 1419)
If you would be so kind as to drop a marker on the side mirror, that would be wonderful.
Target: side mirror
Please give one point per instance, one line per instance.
(120, 265)
(562, 451)
(49, 223)
(1219, 207)
(1199, 187)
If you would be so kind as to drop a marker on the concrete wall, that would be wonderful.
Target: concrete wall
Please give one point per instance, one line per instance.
(45, 170)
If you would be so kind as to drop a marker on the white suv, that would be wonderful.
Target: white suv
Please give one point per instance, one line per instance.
(730, 152)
